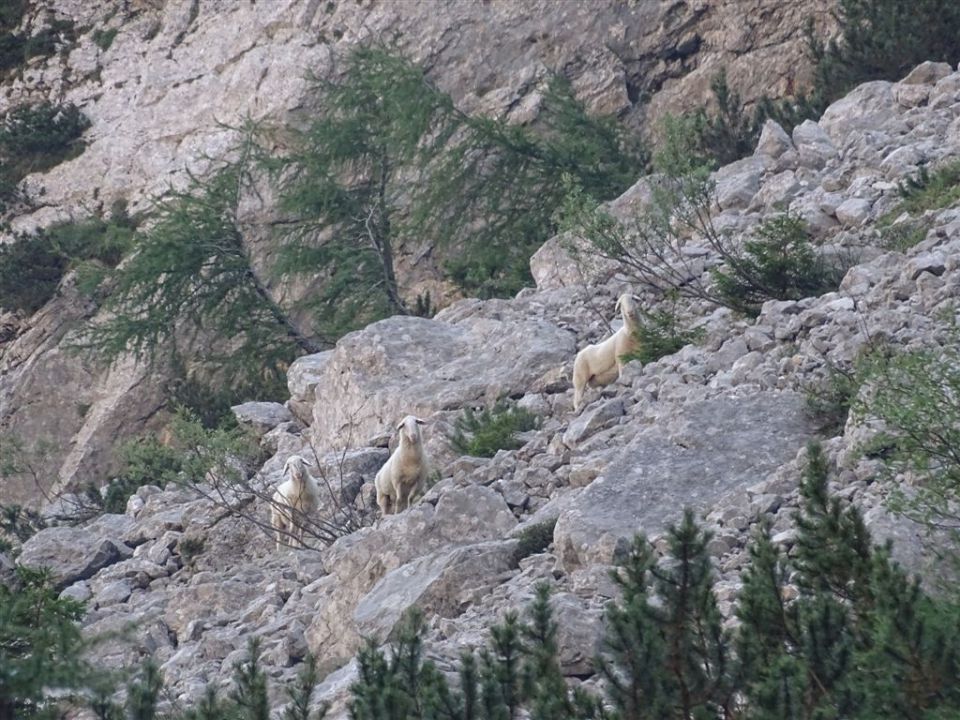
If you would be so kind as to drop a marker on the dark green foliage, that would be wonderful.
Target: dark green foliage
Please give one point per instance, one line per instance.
(861, 641)
(929, 190)
(104, 38)
(40, 647)
(190, 548)
(143, 461)
(496, 193)
(17, 48)
(191, 278)
(32, 266)
(301, 692)
(390, 160)
(883, 40)
(915, 395)
(634, 645)
(534, 539)
(34, 138)
(778, 263)
(829, 399)
(19, 522)
(249, 694)
(670, 658)
(731, 133)
(903, 235)
(660, 333)
(833, 551)
(483, 433)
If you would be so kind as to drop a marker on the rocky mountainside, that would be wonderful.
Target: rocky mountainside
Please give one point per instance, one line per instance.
(720, 426)
(163, 81)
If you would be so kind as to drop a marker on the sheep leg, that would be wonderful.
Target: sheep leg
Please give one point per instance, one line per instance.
(383, 500)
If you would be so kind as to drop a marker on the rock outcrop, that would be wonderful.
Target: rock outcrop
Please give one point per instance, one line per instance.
(719, 426)
(163, 93)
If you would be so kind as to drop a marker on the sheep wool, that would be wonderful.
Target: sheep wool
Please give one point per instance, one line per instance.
(405, 470)
(602, 363)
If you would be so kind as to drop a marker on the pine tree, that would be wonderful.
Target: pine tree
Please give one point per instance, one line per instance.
(250, 691)
(40, 646)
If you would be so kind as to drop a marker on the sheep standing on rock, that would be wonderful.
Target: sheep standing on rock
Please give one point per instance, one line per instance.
(405, 470)
(295, 498)
(602, 363)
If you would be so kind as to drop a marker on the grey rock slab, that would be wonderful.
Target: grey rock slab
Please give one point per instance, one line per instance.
(579, 634)
(76, 553)
(262, 416)
(356, 562)
(411, 365)
(302, 377)
(869, 107)
(814, 146)
(738, 182)
(927, 73)
(702, 452)
(592, 420)
(443, 583)
(211, 601)
(853, 212)
(928, 262)
(774, 140)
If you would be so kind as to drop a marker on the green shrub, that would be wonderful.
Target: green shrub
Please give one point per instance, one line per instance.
(482, 434)
(903, 235)
(660, 334)
(190, 548)
(20, 523)
(883, 40)
(534, 539)
(916, 395)
(32, 266)
(40, 647)
(929, 190)
(778, 263)
(104, 38)
(730, 133)
(17, 48)
(41, 136)
(36, 138)
(828, 400)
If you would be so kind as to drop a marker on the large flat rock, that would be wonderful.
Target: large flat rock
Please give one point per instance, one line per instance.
(708, 449)
(411, 365)
(77, 553)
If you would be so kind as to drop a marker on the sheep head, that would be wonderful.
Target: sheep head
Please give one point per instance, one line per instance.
(294, 466)
(629, 305)
(409, 429)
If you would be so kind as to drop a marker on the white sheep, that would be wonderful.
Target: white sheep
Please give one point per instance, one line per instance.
(602, 363)
(405, 470)
(294, 499)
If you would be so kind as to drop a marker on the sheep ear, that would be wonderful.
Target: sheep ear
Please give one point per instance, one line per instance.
(616, 308)
(308, 463)
(400, 425)
(420, 422)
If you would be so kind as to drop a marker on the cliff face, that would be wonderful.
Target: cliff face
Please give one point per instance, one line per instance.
(719, 426)
(163, 92)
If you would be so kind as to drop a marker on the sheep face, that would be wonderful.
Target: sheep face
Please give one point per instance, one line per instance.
(294, 467)
(409, 429)
(628, 305)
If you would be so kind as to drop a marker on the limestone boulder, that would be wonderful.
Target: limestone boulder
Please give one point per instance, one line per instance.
(261, 416)
(411, 365)
(694, 456)
(78, 553)
(357, 562)
(441, 584)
